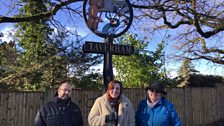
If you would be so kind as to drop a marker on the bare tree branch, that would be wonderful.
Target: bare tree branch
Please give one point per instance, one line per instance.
(48, 14)
(199, 24)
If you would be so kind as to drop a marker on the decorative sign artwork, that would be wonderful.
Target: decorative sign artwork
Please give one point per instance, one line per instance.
(108, 18)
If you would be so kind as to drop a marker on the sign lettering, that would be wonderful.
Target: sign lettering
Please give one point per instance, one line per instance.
(97, 47)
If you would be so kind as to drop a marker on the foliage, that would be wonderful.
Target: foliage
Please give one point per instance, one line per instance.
(199, 80)
(184, 72)
(10, 50)
(88, 81)
(37, 56)
(198, 23)
(143, 66)
(189, 77)
(45, 59)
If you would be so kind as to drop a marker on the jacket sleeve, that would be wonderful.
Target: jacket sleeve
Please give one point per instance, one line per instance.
(95, 118)
(39, 119)
(80, 117)
(131, 113)
(137, 114)
(174, 119)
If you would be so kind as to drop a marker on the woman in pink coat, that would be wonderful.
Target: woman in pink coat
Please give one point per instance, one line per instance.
(113, 108)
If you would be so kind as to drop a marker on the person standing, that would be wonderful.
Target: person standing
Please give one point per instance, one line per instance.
(61, 111)
(113, 108)
(156, 110)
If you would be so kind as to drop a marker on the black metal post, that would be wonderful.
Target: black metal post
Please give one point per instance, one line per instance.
(107, 66)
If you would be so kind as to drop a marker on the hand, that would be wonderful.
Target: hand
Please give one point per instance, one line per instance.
(111, 117)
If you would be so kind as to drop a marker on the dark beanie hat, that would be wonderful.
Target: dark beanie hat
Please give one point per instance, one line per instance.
(156, 86)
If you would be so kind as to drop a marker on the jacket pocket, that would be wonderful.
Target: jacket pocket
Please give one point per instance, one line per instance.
(53, 119)
(75, 117)
(144, 117)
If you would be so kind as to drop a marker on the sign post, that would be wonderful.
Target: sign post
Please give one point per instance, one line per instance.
(108, 19)
(107, 66)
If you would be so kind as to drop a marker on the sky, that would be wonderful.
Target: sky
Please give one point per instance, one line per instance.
(79, 25)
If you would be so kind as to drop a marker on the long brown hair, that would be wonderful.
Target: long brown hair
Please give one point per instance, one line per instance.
(110, 86)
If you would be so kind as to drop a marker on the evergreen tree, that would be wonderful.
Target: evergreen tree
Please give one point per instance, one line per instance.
(184, 72)
(44, 58)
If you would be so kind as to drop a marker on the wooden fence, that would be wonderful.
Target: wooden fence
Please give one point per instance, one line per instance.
(195, 106)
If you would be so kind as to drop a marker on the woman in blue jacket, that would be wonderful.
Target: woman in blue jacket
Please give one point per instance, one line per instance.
(156, 110)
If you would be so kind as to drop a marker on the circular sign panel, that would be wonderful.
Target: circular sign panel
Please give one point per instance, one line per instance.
(108, 18)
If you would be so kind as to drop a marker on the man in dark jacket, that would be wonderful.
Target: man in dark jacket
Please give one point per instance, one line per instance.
(61, 111)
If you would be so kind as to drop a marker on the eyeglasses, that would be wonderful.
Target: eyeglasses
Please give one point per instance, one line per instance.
(156, 91)
(66, 90)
